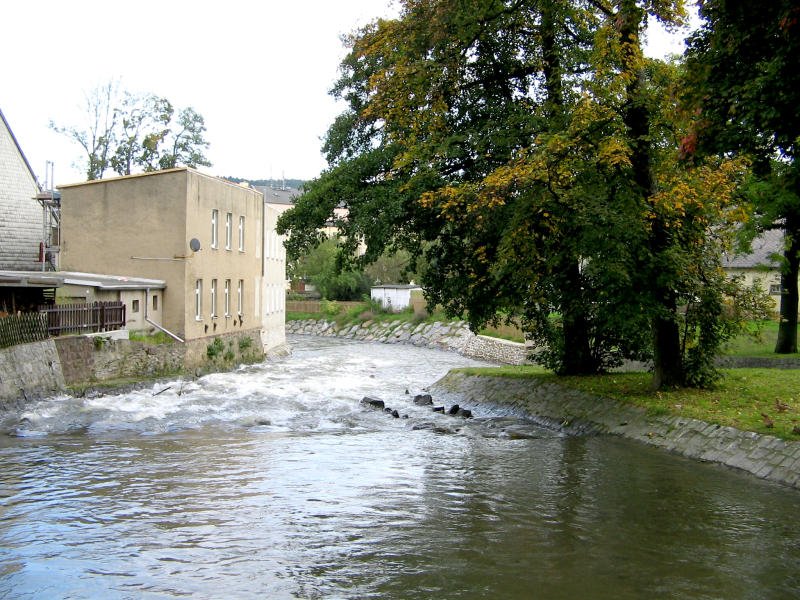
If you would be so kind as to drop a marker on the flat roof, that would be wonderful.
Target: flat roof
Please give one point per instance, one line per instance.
(59, 278)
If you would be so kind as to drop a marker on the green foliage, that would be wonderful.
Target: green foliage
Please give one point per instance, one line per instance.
(526, 157)
(245, 343)
(130, 131)
(333, 280)
(744, 85)
(215, 348)
(330, 308)
(155, 338)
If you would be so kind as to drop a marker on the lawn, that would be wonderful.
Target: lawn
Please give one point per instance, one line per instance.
(761, 400)
(760, 341)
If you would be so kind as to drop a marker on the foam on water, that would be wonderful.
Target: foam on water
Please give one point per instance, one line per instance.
(317, 388)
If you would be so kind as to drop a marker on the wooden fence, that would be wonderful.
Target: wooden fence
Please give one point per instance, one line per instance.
(22, 329)
(84, 318)
(315, 306)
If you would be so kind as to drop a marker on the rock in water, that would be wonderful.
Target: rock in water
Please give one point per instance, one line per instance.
(372, 402)
(423, 399)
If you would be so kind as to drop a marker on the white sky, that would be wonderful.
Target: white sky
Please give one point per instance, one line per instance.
(258, 71)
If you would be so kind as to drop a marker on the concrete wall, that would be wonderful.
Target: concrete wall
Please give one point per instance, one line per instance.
(765, 280)
(141, 225)
(29, 371)
(273, 296)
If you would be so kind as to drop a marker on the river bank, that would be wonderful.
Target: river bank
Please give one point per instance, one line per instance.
(563, 408)
(575, 411)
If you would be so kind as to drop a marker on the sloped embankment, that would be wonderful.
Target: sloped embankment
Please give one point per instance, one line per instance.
(550, 404)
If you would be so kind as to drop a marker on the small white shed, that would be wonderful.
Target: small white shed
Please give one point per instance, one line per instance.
(393, 297)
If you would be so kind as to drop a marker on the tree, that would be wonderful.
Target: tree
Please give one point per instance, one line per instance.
(137, 131)
(99, 136)
(745, 86)
(333, 283)
(528, 153)
(141, 119)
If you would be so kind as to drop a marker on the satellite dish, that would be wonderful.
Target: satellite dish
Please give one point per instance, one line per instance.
(194, 244)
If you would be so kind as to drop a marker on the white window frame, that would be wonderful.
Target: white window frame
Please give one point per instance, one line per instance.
(228, 230)
(214, 227)
(198, 300)
(241, 233)
(240, 297)
(213, 298)
(227, 298)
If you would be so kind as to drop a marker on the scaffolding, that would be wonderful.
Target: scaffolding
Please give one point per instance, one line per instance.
(50, 201)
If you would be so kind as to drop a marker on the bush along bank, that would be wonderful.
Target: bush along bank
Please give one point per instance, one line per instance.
(452, 337)
(552, 405)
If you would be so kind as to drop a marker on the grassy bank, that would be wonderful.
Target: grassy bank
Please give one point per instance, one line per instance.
(762, 400)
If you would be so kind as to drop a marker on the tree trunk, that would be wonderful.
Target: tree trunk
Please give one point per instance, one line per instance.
(667, 358)
(787, 328)
(577, 356)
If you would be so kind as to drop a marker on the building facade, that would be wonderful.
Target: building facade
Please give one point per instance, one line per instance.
(20, 213)
(203, 236)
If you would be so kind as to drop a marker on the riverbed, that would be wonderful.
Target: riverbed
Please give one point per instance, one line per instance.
(275, 481)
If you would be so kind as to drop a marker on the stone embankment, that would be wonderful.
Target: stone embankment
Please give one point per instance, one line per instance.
(574, 411)
(452, 337)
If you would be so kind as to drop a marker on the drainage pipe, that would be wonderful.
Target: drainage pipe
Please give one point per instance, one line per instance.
(153, 323)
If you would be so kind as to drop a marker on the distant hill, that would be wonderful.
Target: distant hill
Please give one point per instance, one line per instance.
(276, 183)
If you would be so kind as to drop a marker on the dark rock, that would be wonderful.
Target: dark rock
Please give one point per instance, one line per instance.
(372, 402)
(387, 410)
(464, 412)
(395, 414)
(438, 409)
(405, 416)
(453, 410)
(423, 399)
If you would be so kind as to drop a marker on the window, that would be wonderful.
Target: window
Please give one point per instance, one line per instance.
(227, 297)
(775, 289)
(241, 233)
(228, 230)
(155, 302)
(213, 298)
(240, 297)
(214, 220)
(198, 300)
(135, 306)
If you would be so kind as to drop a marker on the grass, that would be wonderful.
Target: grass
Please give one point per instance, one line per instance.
(158, 337)
(760, 342)
(741, 399)
(367, 312)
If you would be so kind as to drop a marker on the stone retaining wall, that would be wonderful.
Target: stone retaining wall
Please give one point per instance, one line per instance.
(452, 337)
(551, 405)
(29, 371)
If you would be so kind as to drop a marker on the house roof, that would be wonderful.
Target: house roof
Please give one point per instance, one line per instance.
(19, 148)
(763, 248)
(284, 196)
(59, 278)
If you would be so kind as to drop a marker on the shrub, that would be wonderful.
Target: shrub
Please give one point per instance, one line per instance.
(215, 348)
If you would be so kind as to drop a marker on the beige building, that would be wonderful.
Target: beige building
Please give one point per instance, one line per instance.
(203, 236)
(760, 266)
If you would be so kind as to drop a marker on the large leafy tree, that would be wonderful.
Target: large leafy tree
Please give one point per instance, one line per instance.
(744, 81)
(527, 151)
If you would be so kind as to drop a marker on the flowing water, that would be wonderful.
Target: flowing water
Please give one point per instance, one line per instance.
(275, 482)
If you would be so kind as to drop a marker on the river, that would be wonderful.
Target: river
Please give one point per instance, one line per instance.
(275, 482)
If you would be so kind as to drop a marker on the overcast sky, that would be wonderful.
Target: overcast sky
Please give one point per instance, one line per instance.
(258, 72)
